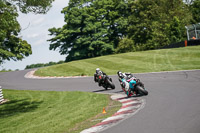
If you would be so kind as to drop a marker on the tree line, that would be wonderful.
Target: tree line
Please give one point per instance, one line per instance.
(43, 64)
(101, 27)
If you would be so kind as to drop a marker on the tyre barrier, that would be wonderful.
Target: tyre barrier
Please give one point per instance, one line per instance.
(1, 95)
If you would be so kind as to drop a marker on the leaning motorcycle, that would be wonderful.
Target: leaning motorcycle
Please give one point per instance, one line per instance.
(136, 86)
(106, 81)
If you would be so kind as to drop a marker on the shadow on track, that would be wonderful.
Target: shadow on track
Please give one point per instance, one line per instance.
(119, 91)
(101, 90)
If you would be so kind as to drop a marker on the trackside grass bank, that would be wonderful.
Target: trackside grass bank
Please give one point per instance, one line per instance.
(185, 58)
(52, 112)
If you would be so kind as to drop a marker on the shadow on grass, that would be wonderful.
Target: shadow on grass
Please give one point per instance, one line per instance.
(15, 107)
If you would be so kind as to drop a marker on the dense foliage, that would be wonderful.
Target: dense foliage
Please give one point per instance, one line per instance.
(157, 23)
(195, 9)
(101, 27)
(92, 28)
(12, 47)
(43, 64)
(35, 6)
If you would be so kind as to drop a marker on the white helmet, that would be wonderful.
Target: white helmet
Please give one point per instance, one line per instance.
(97, 70)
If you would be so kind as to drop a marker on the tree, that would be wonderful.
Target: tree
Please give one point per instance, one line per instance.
(176, 30)
(144, 22)
(100, 27)
(35, 6)
(125, 45)
(12, 47)
(92, 28)
(194, 8)
(154, 24)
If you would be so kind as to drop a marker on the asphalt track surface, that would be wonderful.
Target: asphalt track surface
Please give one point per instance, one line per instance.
(172, 106)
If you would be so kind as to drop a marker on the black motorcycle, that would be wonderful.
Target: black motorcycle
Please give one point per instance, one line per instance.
(104, 81)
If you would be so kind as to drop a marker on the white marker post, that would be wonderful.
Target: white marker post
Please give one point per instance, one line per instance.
(1, 95)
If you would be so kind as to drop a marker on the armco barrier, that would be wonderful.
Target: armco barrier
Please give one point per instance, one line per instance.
(1, 95)
(183, 44)
(193, 42)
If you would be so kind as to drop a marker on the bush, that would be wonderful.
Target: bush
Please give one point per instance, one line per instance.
(125, 45)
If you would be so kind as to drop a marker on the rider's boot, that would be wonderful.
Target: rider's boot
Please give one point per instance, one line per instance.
(127, 89)
(99, 84)
(127, 93)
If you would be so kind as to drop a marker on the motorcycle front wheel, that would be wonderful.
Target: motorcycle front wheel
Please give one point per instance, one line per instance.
(110, 83)
(141, 90)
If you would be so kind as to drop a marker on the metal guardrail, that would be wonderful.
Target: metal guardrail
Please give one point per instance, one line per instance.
(193, 31)
(183, 44)
(1, 95)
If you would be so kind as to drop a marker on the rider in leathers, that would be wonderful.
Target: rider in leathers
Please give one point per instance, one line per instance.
(127, 83)
(96, 76)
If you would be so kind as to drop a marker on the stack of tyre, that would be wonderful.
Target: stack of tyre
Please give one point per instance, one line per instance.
(1, 95)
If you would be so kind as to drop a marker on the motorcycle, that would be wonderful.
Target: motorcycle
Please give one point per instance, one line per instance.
(106, 81)
(136, 86)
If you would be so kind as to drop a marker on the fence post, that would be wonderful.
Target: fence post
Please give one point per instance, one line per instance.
(1, 95)
(185, 43)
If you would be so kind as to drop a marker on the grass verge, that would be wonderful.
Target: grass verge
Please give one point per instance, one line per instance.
(52, 112)
(185, 58)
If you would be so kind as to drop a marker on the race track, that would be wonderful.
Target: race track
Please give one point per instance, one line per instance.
(172, 106)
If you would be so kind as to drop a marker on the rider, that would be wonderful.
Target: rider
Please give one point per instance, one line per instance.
(98, 74)
(127, 80)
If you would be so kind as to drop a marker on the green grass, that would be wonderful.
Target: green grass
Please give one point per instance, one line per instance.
(52, 112)
(4, 70)
(185, 58)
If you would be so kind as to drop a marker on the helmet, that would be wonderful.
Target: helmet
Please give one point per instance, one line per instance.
(97, 70)
(120, 74)
(129, 75)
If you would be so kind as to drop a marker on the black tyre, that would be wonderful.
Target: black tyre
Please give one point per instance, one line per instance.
(112, 86)
(141, 90)
(95, 78)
